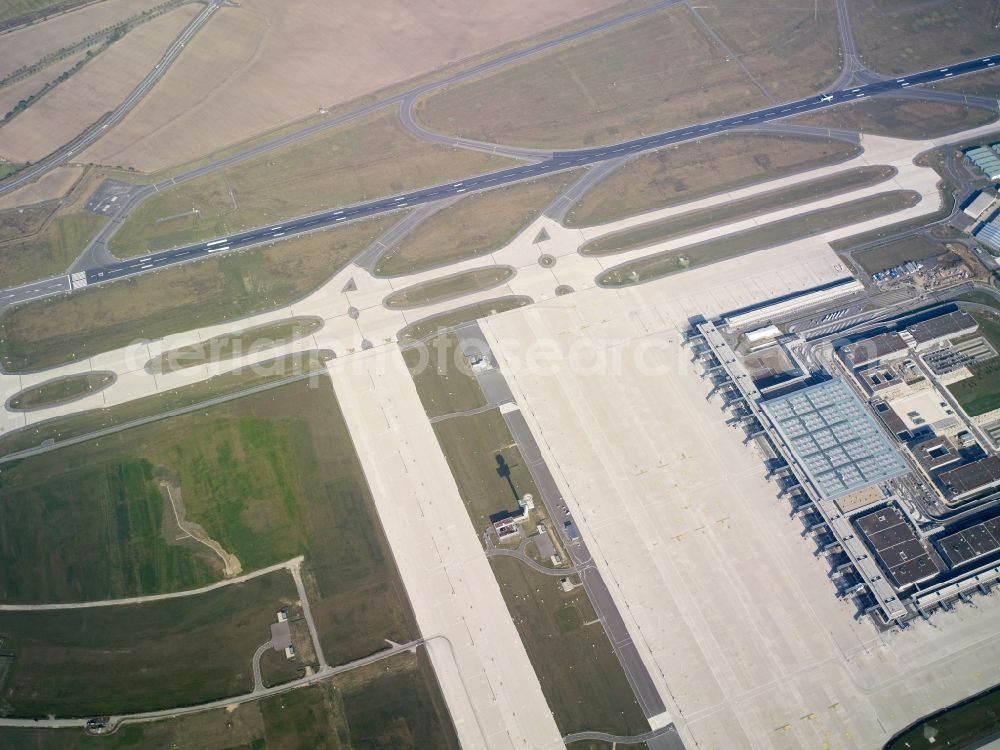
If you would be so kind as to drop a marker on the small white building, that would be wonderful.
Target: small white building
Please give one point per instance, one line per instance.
(981, 203)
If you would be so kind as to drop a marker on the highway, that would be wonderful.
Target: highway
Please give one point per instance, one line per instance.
(559, 161)
(96, 130)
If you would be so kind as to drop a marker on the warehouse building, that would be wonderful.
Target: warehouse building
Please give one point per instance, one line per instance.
(986, 159)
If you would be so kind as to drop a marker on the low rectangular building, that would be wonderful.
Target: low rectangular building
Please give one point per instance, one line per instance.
(972, 479)
(941, 328)
(897, 546)
(971, 544)
(935, 454)
(865, 351)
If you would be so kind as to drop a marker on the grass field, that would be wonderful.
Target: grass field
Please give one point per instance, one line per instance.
(664, 71)
(947, 204)
(474, 446)
(435, 323)
(60, 391)
(975, 84)
(580, 675)
(104, 660)
(561, 633)
(444, 385)
(63, 329)
(269, 477)
(981, 393)
(232, 345)
(50, 251)
(700, 168)
(900, 36)
(8, 168)
(900, 118)
(682, 224)
(980, 298)
(967, 724)
(392, 705)
(83, 423)
(91, 532)
(768, 235)
(476, 225)
(15, 8)
(449, 287)
(364, 160)
(896, 252)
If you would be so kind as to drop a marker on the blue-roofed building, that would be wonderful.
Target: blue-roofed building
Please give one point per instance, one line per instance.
(834, 438)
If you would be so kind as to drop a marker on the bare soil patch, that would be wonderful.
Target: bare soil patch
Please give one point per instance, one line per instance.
(96, 89)
(694, 170)
(263, 64)
(895, 37)
(901, 118)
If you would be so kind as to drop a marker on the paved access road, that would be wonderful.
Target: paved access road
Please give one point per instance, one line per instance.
(559, 161)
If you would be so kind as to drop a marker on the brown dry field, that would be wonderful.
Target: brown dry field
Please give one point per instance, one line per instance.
(96, 89)
(54, 184)
(700, 168)
(895, 37)
(791, 47)
(11, 95)
(26, 45)
(306, 55)
(901, 118)
(664, 71)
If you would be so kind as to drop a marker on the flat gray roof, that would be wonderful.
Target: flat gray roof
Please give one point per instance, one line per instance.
(834, 438)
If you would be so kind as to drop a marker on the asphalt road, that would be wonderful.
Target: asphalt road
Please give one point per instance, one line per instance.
(559, 161)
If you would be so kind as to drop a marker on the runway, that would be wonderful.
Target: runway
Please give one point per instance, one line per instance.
(559, 161)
